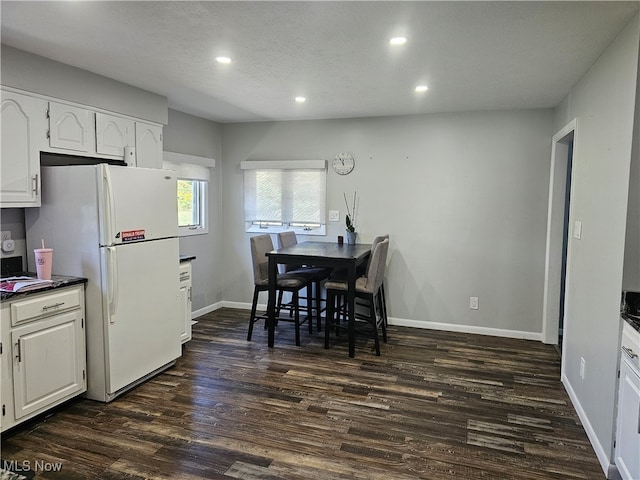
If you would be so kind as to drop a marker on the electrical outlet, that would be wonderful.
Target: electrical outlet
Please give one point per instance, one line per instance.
(473, 303)
(334, 215)
(6, 235)
(582, 365)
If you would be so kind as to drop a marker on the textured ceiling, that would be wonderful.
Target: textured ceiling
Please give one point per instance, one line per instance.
(473, 55)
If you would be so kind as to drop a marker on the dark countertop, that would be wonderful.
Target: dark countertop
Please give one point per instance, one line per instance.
(187, 258)
(632, 320)
(59, 281)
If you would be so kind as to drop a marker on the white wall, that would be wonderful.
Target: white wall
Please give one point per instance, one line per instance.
(463, 196)
(42, 75)
(603, 102)
(196, 136)
(631, 277)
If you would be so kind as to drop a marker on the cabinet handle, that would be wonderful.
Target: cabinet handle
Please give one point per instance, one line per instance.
(189, 293)
(19, 356)
(629, 352)
(35, 184)
(55, 305)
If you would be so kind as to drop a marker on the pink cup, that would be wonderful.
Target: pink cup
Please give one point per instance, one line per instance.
(44, 259)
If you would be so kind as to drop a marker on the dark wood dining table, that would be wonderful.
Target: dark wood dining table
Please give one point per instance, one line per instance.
(318, 254)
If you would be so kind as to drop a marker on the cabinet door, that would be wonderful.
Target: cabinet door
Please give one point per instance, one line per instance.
(627, 456)
(148, 145)
(113, 134)
(70, 128)
(24, 127)
(185, 300)
(6, 392)
(48, 361)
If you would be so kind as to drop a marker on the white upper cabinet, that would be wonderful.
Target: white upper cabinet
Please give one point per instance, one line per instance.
(32, 123)
(24, 128)
(113, 134)
(70, 128)
(148, 145)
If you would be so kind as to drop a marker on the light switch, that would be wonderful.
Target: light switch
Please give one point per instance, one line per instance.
(577, 230)
(334, 215)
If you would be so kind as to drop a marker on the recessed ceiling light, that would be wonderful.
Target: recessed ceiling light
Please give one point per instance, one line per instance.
(300, 99)
(421, 88)
(224, 60)
(398, 41)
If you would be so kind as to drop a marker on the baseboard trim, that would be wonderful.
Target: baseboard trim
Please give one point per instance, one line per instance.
(242, 305)
(208, 309)
(452, 327)
(403, 322)
(609, 469)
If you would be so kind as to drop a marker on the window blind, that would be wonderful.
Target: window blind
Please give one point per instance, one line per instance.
(285, 192)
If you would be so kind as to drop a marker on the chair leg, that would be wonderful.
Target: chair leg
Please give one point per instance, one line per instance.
(383, 320)
(296, 304)
(329, 317)
(279, 303)
(342, 313)
(318, 307)
(383, 302)
(253, 313)
(374, 323)
(310, 307)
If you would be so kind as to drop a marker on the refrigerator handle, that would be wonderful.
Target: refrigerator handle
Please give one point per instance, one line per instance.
(109, 205)
(112, 284)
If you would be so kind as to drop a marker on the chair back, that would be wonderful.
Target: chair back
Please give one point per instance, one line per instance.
(287, 239)
(260, 245)
(375, 242)
(378, 239)
(377, 265)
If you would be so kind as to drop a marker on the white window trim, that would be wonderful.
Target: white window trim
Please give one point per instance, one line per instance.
(199, 170)
(284, 165)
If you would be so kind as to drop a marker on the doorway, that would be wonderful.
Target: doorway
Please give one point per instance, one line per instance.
(565, 241)
(557, 251)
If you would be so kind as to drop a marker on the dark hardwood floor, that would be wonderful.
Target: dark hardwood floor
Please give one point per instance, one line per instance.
(435, 405)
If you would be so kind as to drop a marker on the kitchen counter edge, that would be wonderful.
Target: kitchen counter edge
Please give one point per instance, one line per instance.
(633, 321)
(59, 281)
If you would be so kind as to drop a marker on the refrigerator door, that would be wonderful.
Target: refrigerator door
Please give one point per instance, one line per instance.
(136, 204)
(141, 309)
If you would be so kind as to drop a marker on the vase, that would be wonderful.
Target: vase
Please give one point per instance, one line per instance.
(351, 238)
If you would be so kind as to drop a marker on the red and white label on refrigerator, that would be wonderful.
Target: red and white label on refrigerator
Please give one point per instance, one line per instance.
(132, 235)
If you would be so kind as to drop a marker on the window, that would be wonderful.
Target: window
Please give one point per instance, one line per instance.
(191, 204)
(285, 195)
(192, 197)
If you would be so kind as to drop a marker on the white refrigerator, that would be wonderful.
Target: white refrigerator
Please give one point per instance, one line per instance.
(118, 227)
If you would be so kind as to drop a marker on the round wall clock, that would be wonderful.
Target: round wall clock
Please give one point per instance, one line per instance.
(343, 163)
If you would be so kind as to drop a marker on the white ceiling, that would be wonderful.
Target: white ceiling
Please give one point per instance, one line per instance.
(473, 55)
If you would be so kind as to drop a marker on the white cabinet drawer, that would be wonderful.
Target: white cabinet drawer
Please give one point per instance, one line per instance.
(34, 307)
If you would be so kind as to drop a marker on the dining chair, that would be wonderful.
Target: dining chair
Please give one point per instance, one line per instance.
(260, 246)
(368, 289)
(363, 271)
(383, 300)
(315, 275)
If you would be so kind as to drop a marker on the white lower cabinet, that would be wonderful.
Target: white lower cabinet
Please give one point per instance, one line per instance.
(627, 445)
(43, 357)
(185, 300)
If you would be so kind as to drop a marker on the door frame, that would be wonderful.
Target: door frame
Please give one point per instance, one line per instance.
(555, 224)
